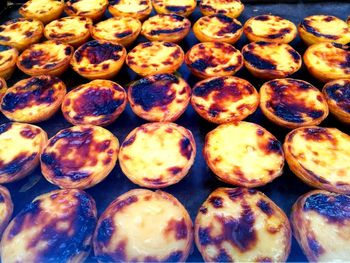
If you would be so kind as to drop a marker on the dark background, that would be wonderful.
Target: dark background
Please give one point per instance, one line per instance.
(200, 182)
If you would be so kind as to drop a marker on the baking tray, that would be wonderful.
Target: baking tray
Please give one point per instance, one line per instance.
(200, 181)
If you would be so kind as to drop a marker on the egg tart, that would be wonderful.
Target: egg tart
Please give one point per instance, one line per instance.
(180, 7)
(323, 28)
(93, 9)
(231, 8)
(292, 103)
(328, 61)
(98, 59)
(337, 94)
(213, 59)
(157, 154)
(321, 221)
(320, 157)
(161, 97)
(242, 225)
(79, 157)
(3, 88)
(117, 30)
(139, 9)
(244, 154)
(34, 99)
(126, 230)
(268, 60)
(21, 146)
(50, 57)
(166, 27)
(72, 30)
(57, 227)
(270, 28)
(218, 28)
(6, 208)
(21, 33)
(8, 59)
(224, 99)
(157, 57)
(43, 10)
(99, 102)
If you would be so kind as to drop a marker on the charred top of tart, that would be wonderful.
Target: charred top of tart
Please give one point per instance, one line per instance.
(293, 100)
(270, 28)
(131, 6)
(326, 57)
(14, 159)
(19, 29)
(225, 97)
(140, 242)
(231, 159)
(339, 92)
(54, 219)
(85, 7)
(165, 24)
(271, 56)
(325, 160)
(116, 28)
(75, 157)
(212, 58)
(326, 27)
(36, 91)
(97, 102)
(40, 7)
(68, 27)
(96, 52)
(233, 223)
(181, 7)
(157, 154)
(154, 91)
(232, 8)
(8, 56)
(155, 57)
(219, 25)
(324, 209)
(48, 55)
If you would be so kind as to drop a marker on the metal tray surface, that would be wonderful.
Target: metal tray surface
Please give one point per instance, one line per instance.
(200, 182)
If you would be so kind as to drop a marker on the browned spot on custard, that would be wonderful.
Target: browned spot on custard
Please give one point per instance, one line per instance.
(175, 170)
(307, 25)
(17, 164)
(319, 134)
(186, 148)
(235, 193)
(270, 146)
(203, 210)
(340, 93)
(314, 246)
(265, 207)
(157, 181)
(178, 227)
(263, 260)
(239, 232)
(121, 204)
(129, 141)
(29, 132)
(216, 201)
